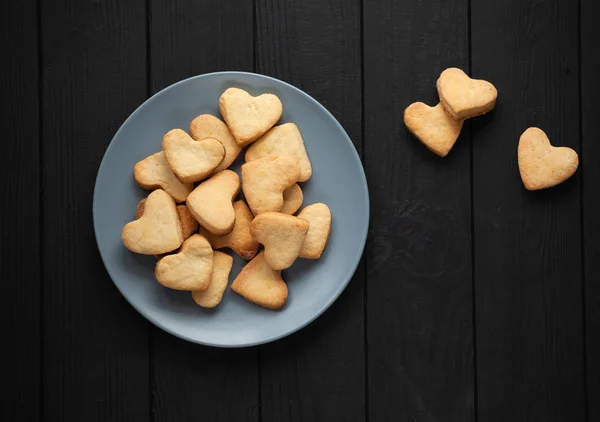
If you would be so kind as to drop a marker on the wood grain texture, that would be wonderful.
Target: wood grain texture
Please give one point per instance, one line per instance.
(420, 345)
(590, 170)
(20, 172)
(527, 244)
(191, 37)
(197, 383)
(95, 365)
(316, 46)
(193, 382)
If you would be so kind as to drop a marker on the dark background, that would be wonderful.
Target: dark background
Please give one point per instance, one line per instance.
(475, 300)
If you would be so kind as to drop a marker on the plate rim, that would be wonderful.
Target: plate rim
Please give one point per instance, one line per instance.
(345, 281)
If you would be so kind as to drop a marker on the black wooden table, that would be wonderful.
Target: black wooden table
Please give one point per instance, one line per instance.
(475, 300)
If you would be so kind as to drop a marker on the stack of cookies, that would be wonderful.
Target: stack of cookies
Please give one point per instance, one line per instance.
(460, 98)
(194, 211)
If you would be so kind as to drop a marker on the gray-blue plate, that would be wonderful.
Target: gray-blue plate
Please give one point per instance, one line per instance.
(338, 180)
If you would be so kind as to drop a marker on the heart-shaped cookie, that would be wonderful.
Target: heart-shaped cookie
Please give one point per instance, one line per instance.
(208, 126)
(189, 269)
(239, 240)
(265, 179)
(463, 97)
(212, 296)
(158, 230)
(249, 117)
(282, 236)
(189, 225)
(433, 127)
(319, 219)
(282, 140)
(292, 199)
(261, 284)
(541, 165)
(153, 172)
(191, 160)
(211, 202)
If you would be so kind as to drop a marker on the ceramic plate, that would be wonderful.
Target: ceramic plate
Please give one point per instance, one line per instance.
(338, 180)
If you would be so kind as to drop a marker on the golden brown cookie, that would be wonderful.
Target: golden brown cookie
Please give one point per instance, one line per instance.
(209, 126)
(190, 160)
(211, 202)
(286, 140)
(282, 236)
(433, 127)
(158, 230)
(541, 165)
(239, 240)
(212, 296)
(189, 224)
(265, 179)
(249, 117)
(292, 199)
(463, 97)
(154, 172)
(260, 284)
(189, 269)
(319, 219)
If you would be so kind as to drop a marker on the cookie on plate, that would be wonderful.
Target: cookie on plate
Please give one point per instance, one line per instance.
(191, 160)
(239, 240)
(261, 284)
(319, 219)
(286, 140)
(158, 230)
(265, 179)
(153, 172)
(282, 236)
(292, 199)
(189, 269)
(212, 296)
(249, 117)
(211, 202)
(209, 126)
(189, 225)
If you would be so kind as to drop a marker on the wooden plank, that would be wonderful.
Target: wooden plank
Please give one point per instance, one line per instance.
(420, 343)
(317, 47)
(590, 170)
(208, 36)
(95, 365)
(527, 244)
(20, 171)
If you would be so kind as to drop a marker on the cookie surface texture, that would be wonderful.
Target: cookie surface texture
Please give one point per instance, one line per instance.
(282, 236)
(209, 126)
(154, 172)
(292, 199)
(189, 269)
(282, 140)
(463, 97)
(261, 284)
(542, 165)
(249, 117)
(189, 225)
(212, 296)
(211, 202)
(239, 240)
(158, 230)
(265, 179)
(319, 219)
(190, 160)
(433, 127)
